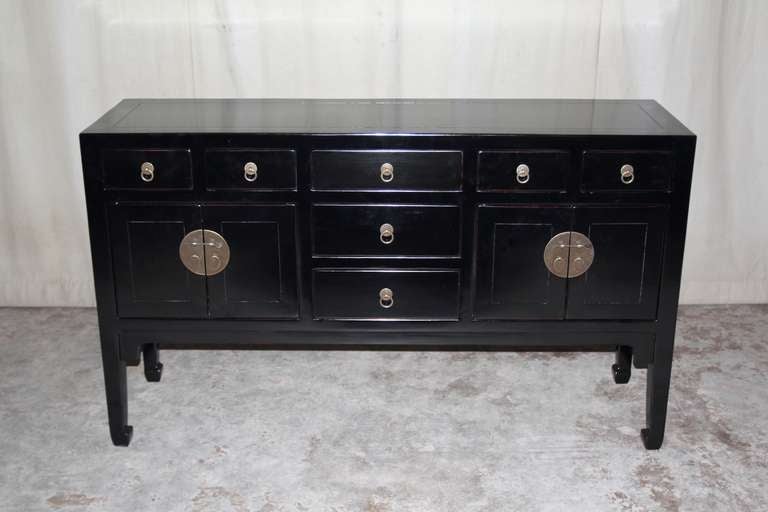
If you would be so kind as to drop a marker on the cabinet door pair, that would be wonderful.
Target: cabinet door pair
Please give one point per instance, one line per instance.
(259, 280)
(513, 282)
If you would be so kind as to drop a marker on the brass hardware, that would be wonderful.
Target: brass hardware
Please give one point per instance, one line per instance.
(147, 171)
(627, 174)
(191, 252)
(582, 254)
(523, 174)
(387, 233)
(569, 254)
(204, 252)
(387, 173)
(386, 298)
(250, 171)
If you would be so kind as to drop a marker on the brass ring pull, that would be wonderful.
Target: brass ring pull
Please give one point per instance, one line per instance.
(147, 172)
(627, 174)
(386, 298)
(387, 234)
(250, 171)
(387, 173)
(523, 174)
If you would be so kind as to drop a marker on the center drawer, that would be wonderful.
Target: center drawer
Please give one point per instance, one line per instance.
(373, 230)
(386, 170)
(385, 294)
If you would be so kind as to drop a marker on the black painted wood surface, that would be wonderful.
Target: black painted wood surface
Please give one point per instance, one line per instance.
(225, 169)
(172, 168)
(511, 280)
(466, 265)
(354, 230)
(361, 170)
(353, 294)
(260, 280)
(623, 281)
(548, 170)
(149, 280)
(653, 170)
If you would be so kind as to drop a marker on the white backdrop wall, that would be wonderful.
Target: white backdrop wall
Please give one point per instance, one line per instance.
(63, 63)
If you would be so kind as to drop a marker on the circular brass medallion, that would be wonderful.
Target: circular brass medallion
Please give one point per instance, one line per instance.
(204, 252)
(569, 254)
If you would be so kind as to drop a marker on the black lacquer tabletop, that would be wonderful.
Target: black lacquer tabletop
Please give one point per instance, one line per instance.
(383, 116)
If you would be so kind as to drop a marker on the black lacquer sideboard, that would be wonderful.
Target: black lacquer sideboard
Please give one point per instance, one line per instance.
(388, 224)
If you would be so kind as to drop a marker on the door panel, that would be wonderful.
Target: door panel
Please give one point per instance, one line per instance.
(623, 281)
(150, 279)
(511, 280)
(260, 279)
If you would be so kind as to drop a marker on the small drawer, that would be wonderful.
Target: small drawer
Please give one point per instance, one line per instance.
(379, 171)
(627, 171)
(250, 169)
(522, 171)
(363, 230)
(385, 294)
(147, 169)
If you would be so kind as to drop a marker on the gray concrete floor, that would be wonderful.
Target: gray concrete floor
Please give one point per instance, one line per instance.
(378, 432)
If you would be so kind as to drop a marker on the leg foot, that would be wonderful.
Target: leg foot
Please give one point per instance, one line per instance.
(651, 440)
(153, 368)
(116, 388)
(622, 369)
(656, 397)
(122, 436)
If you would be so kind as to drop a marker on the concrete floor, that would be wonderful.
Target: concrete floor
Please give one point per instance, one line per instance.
(375, 432)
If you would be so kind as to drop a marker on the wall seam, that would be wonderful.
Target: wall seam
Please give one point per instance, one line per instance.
(191, 48)
(597, 51)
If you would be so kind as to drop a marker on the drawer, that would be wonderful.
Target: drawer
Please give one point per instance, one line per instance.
(522, 171)
(250, 169)
(147, 169)
(626, 171)
(385, 294)
(374, 171)
(365, 230)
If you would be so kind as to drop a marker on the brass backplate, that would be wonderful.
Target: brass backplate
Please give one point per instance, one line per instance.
(569, 254)
(204, 252)
(191, 252)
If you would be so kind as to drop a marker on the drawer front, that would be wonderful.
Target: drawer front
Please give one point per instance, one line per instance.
(524, 170)
(385, 294)
(627, 171)
(362, 230)
(386, 170)
(147, 169)
(250, 169)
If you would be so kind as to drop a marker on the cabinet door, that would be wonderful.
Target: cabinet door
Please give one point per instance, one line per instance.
(150, 279)
(511, 280)
(623, 281)
(260, 279)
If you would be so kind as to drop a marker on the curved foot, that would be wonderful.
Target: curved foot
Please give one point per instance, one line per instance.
(651, 441)
(153, 368)
(622, 370)
(153, 373)
(123, 436)
(620, 374)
